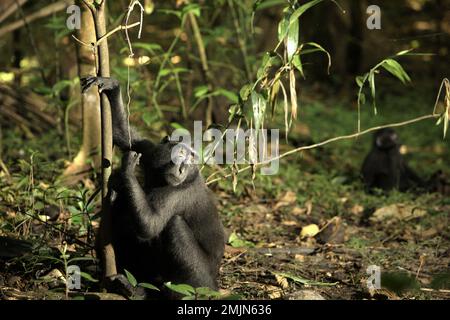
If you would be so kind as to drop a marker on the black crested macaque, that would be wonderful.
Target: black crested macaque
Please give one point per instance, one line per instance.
(166, 228)
(385, 168)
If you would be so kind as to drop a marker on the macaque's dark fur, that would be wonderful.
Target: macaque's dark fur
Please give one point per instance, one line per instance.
(385, 168)
(165, 228)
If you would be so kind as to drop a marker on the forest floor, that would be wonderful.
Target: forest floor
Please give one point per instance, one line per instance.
(274, 250)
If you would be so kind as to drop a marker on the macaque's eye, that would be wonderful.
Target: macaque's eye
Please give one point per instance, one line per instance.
(165, 139)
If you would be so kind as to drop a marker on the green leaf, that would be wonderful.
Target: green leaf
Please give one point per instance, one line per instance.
(43, 90)
(150, 47)
(131, 279)
(402, 53)
(396, 69)
(292, 38)
(362, 99)
(302, 9)
(165, 72)
(360, 80)
(283, 26)
(61, 85)
(183, 289)
(304, 281)
(245, 92)
(178, 126)
(319, 48)
(200, 91)
(88, 277)
(235, 112)
(77, 218)
(297, 62)
(193, 8)
(228, 94)
(269, 61)
(236, 242)
(207, 292)
(372, 89)
(148, 286)
(308, 51)
(261, 5)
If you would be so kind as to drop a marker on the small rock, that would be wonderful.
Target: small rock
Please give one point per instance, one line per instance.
(333, 233)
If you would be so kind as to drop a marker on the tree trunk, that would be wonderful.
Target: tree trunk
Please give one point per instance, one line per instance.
(90, 100)
(107, 144)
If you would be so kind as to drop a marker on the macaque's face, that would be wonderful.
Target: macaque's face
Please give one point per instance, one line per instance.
(386, 139)
(175, 162)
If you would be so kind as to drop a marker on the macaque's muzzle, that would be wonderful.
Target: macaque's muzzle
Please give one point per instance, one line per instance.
(183, 159)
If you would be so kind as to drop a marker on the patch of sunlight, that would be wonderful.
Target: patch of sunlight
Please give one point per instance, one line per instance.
(29, 63)
(6, 77)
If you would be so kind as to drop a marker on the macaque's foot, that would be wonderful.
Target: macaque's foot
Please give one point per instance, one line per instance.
(119, 284)
(130, 161)
(103, 84)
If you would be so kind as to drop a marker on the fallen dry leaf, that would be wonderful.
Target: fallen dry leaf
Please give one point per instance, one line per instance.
(289, 223)
(298, 211)
(259, 208)
(299, 257)
(309, 231)
(282, 281)
(287, 199)
(274, 292)
(428, 234)
(397, 212)
(309, 206)
(357, 209)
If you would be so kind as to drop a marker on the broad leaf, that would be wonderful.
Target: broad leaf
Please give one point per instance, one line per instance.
(245, 92)
(283, 26)
(319, 48)
(200, 91)
(292, 39)
(297, 62)
(148, 286)
(228, 94)
(88, 277)
(360, 80)
(302, 9)
(236, 242)
(396, 69)
(131, 279)
(183, 289)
